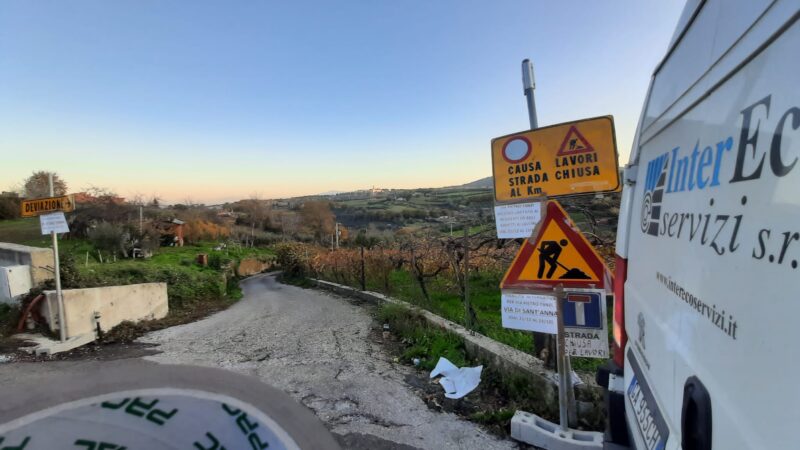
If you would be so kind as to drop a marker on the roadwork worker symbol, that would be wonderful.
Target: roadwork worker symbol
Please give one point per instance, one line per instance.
(556, 253)
(549, 251)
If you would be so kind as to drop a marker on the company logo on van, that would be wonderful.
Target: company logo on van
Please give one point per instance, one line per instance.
(676, 172)
(681, 170)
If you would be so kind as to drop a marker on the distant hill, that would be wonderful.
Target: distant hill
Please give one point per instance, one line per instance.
(483, 183)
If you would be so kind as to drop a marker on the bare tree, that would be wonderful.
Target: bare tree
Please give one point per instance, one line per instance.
(319, 218)
(37, 185)
(424, 260)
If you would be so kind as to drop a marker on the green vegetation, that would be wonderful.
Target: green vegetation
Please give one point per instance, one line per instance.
(21, 231)
(424, 341)
(485, 300)
(499, 394)
(499, 417)
(445, 302)
(188, 282)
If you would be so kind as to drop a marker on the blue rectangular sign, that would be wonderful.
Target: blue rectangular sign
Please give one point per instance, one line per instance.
(583, 310)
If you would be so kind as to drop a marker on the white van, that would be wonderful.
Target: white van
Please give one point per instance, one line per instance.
(707, 295)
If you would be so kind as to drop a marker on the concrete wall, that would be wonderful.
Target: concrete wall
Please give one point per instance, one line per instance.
(115, 304)
(15, 282)
(39, 259)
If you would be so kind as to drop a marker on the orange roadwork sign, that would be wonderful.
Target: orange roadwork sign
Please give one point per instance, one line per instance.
(557, 253)
(38, 206)
(567, 159)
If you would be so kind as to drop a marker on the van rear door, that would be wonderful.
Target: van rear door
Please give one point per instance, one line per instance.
(713, 241)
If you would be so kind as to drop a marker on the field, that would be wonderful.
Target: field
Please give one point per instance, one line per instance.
(23, 231)
(193, 289)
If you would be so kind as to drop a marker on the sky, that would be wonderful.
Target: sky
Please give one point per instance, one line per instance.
(212, 101)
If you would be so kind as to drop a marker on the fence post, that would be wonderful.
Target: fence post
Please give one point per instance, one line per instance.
(363, 274)
(467, 309)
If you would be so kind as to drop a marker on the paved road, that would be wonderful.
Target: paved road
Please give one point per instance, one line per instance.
(317, 348)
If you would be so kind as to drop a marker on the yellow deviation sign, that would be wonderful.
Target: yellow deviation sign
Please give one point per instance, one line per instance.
(567, 159)
(38, 206)
(557, 253)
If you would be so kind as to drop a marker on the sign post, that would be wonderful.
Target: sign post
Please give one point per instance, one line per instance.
(51, 218)
(564, 372)
(62, 331)
(557, 282)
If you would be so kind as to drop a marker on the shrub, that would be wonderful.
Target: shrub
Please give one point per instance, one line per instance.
(203, 230)
(9, 207)
(111, 238)
(219, 261)
(294, 258)
(184, 284)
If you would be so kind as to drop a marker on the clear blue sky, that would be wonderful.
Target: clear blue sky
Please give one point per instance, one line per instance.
(221, 100)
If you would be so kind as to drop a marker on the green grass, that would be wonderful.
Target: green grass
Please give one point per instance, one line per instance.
(21, 231)
(446, 302)
(500, 393)
(186, 280)
(422, 340)
(501, 416)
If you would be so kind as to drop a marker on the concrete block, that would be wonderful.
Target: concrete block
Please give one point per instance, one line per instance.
(39, 259)
(115, 304)
(46, 346)
(536, 431)
(15, 282)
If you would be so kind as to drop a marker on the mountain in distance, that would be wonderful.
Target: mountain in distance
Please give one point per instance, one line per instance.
(483, 183)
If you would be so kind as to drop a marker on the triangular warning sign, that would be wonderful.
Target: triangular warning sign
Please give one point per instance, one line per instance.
(557, 253)
(574, 143)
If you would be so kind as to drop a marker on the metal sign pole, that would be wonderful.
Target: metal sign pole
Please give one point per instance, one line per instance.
(62, 331)
(528, 84)
(540, 341)
(563, 375)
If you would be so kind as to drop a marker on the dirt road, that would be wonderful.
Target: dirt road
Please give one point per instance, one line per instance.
(317, 348)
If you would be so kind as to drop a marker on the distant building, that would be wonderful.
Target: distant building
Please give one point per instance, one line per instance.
(171, 232)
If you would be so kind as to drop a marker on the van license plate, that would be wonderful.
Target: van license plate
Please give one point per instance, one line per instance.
(645, 417)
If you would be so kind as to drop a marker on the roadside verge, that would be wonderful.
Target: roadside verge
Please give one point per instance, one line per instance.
(508, 361)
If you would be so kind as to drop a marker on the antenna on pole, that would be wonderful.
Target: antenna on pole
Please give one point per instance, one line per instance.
(528, 85)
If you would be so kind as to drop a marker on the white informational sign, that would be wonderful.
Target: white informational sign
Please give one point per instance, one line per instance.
(517, 220)
(529, 312)
(585, 324)
(54, 222)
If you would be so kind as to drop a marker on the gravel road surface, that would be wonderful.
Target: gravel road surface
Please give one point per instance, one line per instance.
(317, 348)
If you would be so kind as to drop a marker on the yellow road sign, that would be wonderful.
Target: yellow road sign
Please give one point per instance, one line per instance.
(37, 206)
(557, 253)
(566, 159)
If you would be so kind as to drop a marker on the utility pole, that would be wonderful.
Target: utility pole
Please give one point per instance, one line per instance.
(337, 235)
(141, 219)
(62, 323)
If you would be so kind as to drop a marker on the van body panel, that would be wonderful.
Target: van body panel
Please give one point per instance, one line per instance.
(711, 227)
(675, 102)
